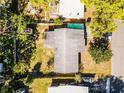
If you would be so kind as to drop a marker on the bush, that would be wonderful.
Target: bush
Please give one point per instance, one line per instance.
(58, 21)
(19, 68)
(99, 50)
(78, 78)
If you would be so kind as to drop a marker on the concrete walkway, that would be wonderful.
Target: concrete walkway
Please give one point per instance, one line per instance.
(118, 51)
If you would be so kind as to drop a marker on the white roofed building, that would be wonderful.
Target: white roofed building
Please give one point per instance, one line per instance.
(68, 89)
(68, 9)
(71, 9)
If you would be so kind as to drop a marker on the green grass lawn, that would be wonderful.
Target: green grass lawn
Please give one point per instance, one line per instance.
(40, 85)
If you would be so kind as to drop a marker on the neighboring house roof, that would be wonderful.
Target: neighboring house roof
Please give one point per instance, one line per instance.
(67, 44)
(71, 9)
(68, 89)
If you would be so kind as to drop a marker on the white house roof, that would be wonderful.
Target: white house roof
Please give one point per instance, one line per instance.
(71, 9)
(68, 89)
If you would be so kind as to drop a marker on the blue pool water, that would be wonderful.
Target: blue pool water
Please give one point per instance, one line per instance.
(75, 26)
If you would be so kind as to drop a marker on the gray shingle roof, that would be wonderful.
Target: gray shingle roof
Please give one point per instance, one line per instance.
(67, 43)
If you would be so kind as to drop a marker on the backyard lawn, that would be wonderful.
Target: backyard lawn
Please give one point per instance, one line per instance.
(40, 85)
(42, 55)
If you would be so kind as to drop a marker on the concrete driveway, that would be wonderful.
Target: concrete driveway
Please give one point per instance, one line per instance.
(118, 51)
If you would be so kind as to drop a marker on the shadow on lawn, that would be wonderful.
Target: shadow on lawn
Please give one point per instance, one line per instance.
(114, 85)
(117, 85)
(32, 75)
(37, 67)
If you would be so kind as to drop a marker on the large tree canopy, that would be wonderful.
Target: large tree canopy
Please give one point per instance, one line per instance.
(105, 12)
(100, 51)
(41, 3)
(44, 4)
(13, 37)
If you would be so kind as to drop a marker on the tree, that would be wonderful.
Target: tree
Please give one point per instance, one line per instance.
(15, 43)
(44, 4)
(105, 12)
(11, 24)
(20, 68)
(58, 21)
(5, 89)
(12, 33)
(78, 78)
(99, 50)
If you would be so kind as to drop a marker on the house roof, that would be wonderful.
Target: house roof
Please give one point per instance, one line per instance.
(67, 44)
(71, 9)
(68, 89)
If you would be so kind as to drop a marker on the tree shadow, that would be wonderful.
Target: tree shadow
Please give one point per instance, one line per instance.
(18, 85)
(116, 85)
(37, 73)
(85, 34)
(37, 67)
(34, 74)
(50, 63)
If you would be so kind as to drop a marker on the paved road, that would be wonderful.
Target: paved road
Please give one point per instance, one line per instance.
(118, 51)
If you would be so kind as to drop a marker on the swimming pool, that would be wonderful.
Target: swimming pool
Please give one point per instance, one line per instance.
(75, 26)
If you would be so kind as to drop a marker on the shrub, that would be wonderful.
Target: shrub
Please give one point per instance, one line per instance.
(19, 68)
(99, 50)
(58, 21)
(78, 78)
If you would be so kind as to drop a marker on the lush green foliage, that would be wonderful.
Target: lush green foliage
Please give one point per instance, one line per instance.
(19, 68)
(44, 4)
(100, 51)
(105, 12)
(12, 28)
(41, 85)
(103, 21)
(58, 21)
(5, 89)
(78, 78)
